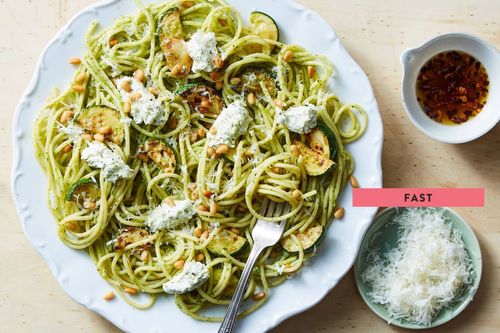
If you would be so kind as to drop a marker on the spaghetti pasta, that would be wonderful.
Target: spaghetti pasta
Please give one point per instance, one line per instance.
(171, 159)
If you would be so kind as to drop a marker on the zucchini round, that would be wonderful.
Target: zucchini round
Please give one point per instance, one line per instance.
(195, 94)
(310, 239)
(264, 26)
(332, 143)
(82, 190)
(162, 154)
(226, 241)
(93, 118)
(315, 164)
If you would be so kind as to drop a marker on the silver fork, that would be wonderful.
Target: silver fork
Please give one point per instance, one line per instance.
(264, 234)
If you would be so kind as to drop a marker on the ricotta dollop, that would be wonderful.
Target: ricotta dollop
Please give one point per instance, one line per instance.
(147, 109)
(99, 156)
(192, 276)
(202, 48)
(231, 123)
(299, 119)
(170, 217)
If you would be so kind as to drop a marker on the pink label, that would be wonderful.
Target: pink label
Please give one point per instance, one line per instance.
(418, 197)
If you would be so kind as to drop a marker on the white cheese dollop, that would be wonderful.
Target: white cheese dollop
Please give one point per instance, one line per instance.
(73, 131)
(425, 271)
(192, 276)
(231, 123)
(202, 48)
(170, 217)
(145, 110)
(298, 119)
(98, 155)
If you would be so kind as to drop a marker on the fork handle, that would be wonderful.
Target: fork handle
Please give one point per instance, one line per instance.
(232, 311)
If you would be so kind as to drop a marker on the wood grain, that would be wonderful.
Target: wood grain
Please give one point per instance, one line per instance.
(375, 33)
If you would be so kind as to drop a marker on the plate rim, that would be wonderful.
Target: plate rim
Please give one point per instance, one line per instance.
(16, 160)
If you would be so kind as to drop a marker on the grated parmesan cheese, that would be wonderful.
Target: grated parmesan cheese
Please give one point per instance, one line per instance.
(425, 271)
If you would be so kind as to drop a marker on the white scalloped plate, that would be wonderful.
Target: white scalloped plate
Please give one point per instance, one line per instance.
(74, 270)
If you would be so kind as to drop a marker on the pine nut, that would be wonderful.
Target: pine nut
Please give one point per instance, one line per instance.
(354, 182)
(145, 255)
(179, 264)
(67, 148)
(75, 61)
(176, 70)
(279, 103)
(87, 137)
(117, 140)
(105, 130)
(339, 213)
(169, 201)
(113, 41)
(139, 75)
(219, 63)
(109, 296)
(135, 96)
(204, 235)
(71, 226)
(222, 149)
(154, 91)
(235, 80)
(251, 99)
(194, 195)
(125, 85)
(205, 104)
(207, 193)
(213, 207)
(99, 137)
(203, 208)
(80, 77)
(311, 70)
(193, 137)
(295, 150)
(297, 195)
(235, 231)
(202, 132)
(66, 116)
(78, 88)
(198, 232)
(288, 56)
(219, 85)
(89, 204)
(259, 296)
(200, 257)
(187, 4)
(210, 151)
(213, 130)
(130, 291)
(127, 107)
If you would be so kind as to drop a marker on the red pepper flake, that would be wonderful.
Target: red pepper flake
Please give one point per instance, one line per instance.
(452, 87)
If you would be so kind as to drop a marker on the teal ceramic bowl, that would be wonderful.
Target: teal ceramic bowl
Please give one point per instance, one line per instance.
(383, 235)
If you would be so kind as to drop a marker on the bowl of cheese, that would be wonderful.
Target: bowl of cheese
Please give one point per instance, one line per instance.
(418, 267)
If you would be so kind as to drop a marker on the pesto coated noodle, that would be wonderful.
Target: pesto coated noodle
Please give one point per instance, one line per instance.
(174, 130)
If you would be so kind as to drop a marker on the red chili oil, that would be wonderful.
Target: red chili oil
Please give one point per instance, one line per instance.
(452, 87)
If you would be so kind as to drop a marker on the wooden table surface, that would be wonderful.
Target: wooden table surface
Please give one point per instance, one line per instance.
(374, 32)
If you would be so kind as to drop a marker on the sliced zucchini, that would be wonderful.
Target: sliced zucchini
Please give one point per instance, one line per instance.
(83, 190)
(227, 241)
(171, 26)
(251, 79)
(196, 94)
(93, 118)
(129, 235)
(163, 155)
(318, 142)
(328, 134)
(264, 26)
(315, 164)
(231, 284)
(309, 239)
(172, 44)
